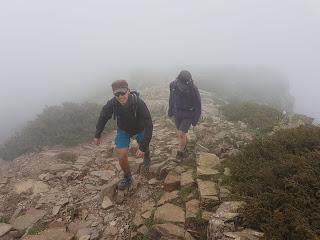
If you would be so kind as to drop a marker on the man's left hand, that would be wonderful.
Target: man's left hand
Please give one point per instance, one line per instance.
(139, 154)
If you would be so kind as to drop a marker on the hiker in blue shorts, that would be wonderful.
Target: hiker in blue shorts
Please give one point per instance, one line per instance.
(133, 120)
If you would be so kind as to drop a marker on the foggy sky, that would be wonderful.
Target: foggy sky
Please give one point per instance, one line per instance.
(53, 51)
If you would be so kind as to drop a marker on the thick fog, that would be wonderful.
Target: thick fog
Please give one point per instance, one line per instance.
(54, 51)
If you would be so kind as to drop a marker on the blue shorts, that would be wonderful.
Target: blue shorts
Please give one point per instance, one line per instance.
(122, 139)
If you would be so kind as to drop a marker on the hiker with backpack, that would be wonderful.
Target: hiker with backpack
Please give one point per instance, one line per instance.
(133, 121)
(185, 107)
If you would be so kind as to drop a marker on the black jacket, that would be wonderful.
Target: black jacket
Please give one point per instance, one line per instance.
(126, 119)
(185, 104)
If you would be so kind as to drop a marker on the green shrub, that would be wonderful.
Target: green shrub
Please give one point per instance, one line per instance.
(68, 124)
(279, 178)
(259, 117)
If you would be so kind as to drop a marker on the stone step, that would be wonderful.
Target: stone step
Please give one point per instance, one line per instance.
(207, 164)
(170, 213)
(172, 181)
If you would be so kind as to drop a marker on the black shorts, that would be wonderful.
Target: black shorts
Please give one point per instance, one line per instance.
(183, 124)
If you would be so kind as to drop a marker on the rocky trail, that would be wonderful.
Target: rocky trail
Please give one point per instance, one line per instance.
(69, 193)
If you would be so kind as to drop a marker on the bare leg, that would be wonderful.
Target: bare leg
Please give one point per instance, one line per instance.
(182, 138)
(122, 154)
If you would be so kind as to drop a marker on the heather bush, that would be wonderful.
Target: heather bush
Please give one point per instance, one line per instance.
(259, 117)
(278, 176)
(67, 124)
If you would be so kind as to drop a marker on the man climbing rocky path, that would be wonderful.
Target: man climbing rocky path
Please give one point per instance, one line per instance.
(69, 193)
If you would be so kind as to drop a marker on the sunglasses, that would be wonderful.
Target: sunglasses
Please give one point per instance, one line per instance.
(118, 94)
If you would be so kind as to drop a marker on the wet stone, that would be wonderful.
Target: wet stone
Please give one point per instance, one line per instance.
(106, 203)
(26, 220)
(137, 221)
(56, 210)
(51, 234)
(207, 162)
(187, 179)
(171, 213)
(192, 209)
(147, 214)
(168, 197)
(172, 182)
(4, 228)
(143, 230)
(147, 205)
(209, 194)
(203, 171)
(24, 186)
(207, 188)
(166, 230)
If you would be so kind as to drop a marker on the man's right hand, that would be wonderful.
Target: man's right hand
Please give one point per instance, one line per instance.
(97, 141)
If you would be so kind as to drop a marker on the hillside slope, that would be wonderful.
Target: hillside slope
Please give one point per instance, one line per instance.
(69, 192)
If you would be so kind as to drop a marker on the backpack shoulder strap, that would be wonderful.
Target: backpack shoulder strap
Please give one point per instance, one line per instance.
(114, 108)
(135, 96)
(173, 85)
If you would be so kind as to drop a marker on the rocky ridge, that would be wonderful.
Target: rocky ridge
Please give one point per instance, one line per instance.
(69, 193)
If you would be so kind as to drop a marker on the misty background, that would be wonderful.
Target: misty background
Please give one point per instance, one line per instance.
(55, 51)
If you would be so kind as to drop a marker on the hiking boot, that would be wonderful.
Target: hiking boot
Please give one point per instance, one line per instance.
(179, 157)
(125, 183)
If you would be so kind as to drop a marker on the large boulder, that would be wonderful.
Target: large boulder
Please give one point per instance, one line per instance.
(209, 194)
(207, 163)
(4, 228)
(170, 213)
(172, 181)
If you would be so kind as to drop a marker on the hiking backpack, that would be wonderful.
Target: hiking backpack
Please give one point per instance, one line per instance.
(135, 95)
(191, 95)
